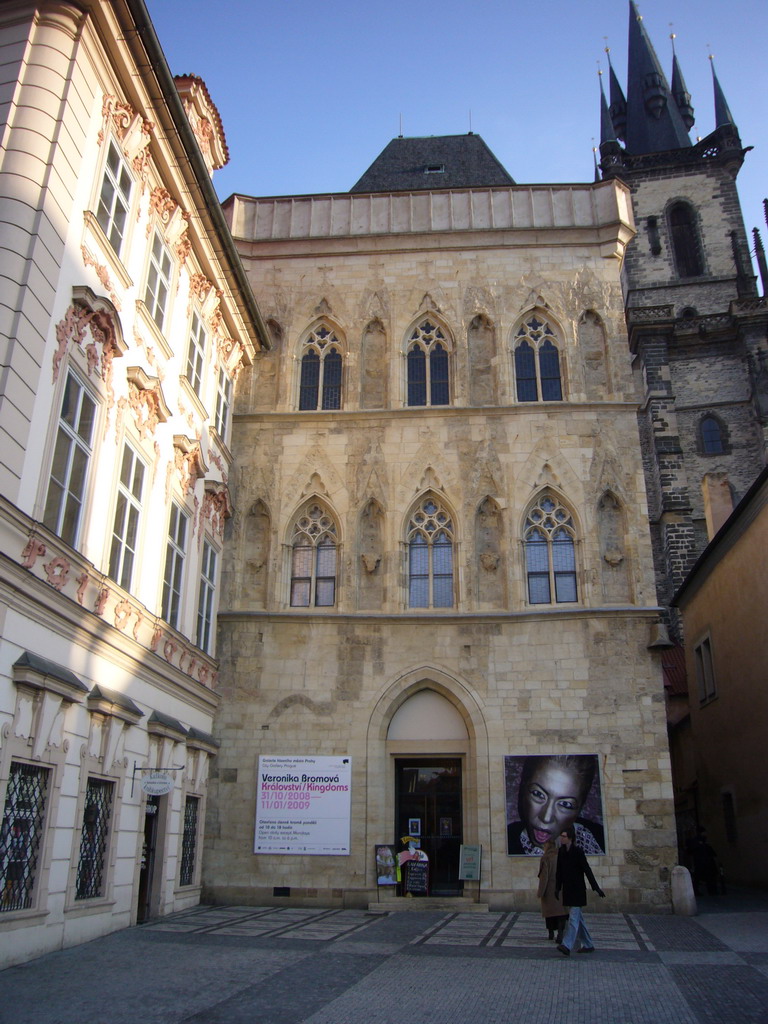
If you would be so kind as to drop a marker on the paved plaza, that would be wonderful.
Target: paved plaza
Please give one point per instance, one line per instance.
(290, 965)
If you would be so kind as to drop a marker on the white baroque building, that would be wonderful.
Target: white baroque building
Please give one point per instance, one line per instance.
(125, 320)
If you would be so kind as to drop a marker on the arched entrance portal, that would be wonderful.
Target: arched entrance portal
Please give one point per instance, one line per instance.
(429, 787)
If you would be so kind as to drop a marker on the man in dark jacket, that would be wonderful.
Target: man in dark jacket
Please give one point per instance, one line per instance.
(572, 868)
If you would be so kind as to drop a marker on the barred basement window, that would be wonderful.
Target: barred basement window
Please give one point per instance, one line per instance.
(189, 840)
(21, 834)
(94, 837)
(549, 553)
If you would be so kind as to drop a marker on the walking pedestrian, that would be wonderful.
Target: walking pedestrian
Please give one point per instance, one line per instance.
(572, 870)
(552, 910)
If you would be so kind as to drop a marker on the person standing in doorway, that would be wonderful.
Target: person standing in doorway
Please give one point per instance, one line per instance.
(572, 870)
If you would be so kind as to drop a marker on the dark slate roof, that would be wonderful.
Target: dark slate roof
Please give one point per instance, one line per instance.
(50, 668)
(433, 162)
(649, 129)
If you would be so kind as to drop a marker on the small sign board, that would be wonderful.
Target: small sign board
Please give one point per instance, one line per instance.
(156, 783)
(469, 863)
(417, 877)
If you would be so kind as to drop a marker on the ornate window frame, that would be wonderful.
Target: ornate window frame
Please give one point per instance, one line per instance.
(431, 554)
(321, 357)
(551, 573)
(314, 557)
(428, 363)
(537, 359)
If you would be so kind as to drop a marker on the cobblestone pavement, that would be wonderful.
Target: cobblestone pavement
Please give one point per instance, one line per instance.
(267, 965)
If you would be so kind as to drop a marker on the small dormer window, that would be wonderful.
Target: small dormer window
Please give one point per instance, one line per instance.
(434, 169)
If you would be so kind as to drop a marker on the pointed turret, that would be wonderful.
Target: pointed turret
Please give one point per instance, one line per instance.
(681, 95)
(618, 107)
(610, 150)
(654, 124)
(723, 114)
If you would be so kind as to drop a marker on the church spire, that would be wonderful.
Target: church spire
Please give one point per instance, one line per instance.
(680, 93)
(723, 114)
(653, 123)
(618, 107)
(610, 150)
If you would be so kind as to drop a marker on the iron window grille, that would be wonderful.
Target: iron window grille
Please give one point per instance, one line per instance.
(94, 837)
(21, 834)
(189, 840)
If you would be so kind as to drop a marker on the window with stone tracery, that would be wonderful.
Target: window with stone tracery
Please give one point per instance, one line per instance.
(537, 362)
(428, 365)
(313, 559)
(550, 553)
(430, 541)
(321, 365)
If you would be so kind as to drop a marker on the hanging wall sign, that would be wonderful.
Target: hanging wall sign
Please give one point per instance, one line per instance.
(156, 783)
(303, 805)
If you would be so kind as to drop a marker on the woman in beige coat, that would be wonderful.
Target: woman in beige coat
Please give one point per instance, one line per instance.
(551, 907)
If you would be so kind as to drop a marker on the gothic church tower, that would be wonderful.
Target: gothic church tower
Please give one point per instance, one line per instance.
(697, 328)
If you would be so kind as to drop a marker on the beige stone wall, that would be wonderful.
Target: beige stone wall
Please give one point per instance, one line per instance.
(574, 678)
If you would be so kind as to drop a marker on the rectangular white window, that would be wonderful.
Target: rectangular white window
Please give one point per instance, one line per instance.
(205, 598)
(125, 533)
(114, 198)
(196, 354)
(71, 458)
(175, 552)
(223, 402)
(705, 672)
(158, 281)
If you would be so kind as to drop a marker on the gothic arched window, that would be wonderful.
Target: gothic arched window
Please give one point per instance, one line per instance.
(313, 559)
(430, 556)
(550, 553)
(537, 363)
(711, 431)
(685, 240)
(320, 383)
(428, 365)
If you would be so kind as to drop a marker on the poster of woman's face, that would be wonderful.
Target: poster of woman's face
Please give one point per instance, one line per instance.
(545, 794)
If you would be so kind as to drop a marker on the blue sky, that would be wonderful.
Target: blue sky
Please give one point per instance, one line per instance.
(310, 93)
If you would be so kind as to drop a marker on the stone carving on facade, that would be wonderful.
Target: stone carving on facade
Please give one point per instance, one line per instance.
(123, 612)
(163, 205)
(183, 247)
(33, 550)
(57, 572)
(133, 131)
(189, 462)
(146, 400)
(102, 273)
(82, 584)
(216, 508)
(374, 370)
(101, 600)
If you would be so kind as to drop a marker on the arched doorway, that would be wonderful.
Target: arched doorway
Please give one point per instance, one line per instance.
(429, 788)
